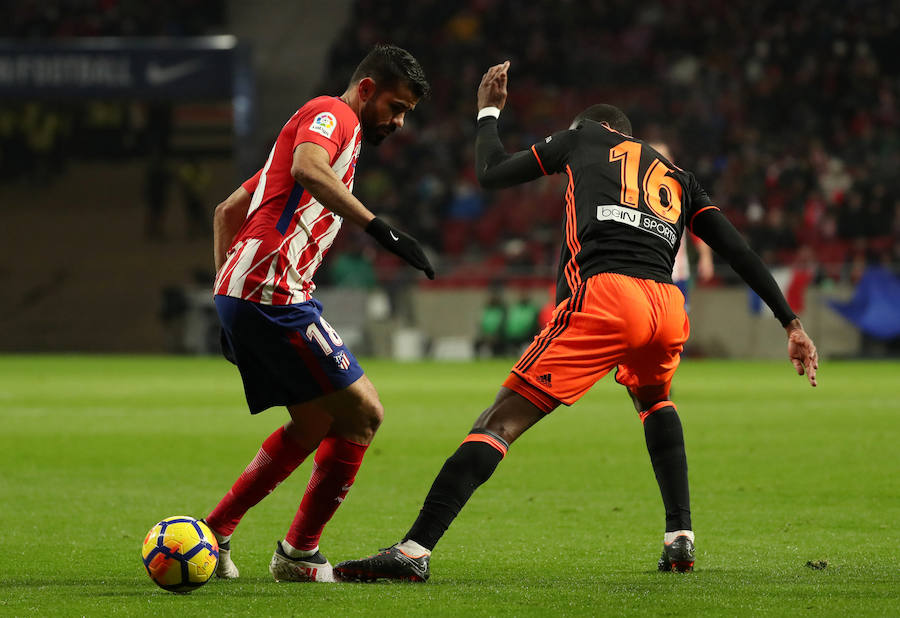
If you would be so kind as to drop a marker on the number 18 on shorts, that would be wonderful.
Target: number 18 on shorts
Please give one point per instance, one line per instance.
(287, 354)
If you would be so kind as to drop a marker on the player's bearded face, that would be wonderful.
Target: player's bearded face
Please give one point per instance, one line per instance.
(374, 131)
(385, 112)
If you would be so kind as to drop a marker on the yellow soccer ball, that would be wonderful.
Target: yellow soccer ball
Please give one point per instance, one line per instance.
(180, 553)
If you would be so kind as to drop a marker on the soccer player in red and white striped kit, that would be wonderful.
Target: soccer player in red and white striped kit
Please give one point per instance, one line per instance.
(271, 235)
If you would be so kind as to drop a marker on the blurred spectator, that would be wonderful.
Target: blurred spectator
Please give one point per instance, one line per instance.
(351, 268)
(850, 220)
(43, 129)
(157, 179)
(172, 311)
(803, 274)
(193, 179)
(490, 338)
(521, 323)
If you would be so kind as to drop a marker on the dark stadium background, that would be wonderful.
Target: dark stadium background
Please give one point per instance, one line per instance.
(787, 112)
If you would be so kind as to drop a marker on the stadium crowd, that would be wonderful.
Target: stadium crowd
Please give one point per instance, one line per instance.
(787, 113)
(36, 19)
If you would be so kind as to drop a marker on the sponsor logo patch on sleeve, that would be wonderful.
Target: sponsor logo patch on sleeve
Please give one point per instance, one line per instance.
(324, 124)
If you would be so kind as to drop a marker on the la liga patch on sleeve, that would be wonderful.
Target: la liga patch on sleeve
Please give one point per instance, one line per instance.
(324, 124)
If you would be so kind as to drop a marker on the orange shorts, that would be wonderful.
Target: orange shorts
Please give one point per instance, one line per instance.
(611, 321)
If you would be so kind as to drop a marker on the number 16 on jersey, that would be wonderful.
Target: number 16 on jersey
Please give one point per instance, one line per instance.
(661, 192)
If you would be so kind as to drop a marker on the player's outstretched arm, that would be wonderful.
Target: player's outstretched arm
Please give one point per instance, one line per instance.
(713, 228)
(312, 169)
(495, 167)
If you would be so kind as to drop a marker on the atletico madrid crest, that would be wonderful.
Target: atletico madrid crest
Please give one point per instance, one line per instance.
(341, 360)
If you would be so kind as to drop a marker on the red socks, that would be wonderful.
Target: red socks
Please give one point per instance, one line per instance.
(336, 463)
(274, 462)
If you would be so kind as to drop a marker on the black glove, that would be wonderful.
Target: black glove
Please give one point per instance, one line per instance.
(400, 243)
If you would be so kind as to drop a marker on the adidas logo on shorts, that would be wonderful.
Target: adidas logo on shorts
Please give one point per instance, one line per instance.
(545, 379)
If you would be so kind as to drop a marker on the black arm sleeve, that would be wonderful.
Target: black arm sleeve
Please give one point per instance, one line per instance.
(718, 232)
(495, 167)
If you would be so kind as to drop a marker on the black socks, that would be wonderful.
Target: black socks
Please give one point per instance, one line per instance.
(472, 464)
(665, 443)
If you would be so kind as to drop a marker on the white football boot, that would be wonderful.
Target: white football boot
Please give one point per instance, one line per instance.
(226, 568)
(314, 568)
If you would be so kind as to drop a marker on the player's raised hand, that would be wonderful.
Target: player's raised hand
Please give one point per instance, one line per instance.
(802, 352)
(401, 244)
(492, 90)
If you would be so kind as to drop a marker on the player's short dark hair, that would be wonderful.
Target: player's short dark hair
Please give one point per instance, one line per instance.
(610, 114)
(389, 65)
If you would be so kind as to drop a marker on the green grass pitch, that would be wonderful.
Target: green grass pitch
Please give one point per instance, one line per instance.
(95, 450)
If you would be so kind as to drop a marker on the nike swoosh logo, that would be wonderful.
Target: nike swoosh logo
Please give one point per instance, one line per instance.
(158, 74)
(394, 236)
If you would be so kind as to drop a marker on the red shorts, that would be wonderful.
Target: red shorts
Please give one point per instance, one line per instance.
(611, 321)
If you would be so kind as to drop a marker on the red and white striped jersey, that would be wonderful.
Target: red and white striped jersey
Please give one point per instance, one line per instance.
(287, 232)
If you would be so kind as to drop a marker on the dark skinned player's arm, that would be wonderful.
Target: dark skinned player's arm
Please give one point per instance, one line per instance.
(716, 230)
(495, 167)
